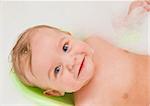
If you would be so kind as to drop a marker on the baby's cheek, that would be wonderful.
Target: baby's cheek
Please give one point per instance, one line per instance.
(69, 85)
(85, 48)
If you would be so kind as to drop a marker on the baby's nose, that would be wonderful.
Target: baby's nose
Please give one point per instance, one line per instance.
(70, 64)
(69, 67)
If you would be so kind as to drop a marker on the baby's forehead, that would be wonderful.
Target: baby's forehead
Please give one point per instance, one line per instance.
(44, 34)
(48, 35)
(42, 43)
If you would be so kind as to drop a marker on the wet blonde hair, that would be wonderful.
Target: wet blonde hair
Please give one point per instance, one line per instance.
(21, 53)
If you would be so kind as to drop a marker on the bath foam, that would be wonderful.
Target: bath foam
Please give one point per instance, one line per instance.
(130, 38)
(36, 94)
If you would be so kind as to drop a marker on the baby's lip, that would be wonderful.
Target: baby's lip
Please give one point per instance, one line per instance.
(80, 66)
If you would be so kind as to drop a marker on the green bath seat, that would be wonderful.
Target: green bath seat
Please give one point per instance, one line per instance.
(36, 95)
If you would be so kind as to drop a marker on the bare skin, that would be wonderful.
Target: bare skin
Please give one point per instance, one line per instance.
(120, 79)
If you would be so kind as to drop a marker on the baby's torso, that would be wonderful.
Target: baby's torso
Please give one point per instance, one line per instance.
(115, 82)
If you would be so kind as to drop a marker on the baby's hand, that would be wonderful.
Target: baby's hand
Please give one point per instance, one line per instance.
(137, 11)
(143, 4)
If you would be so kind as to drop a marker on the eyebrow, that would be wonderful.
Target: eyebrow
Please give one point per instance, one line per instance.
(58, 45)
(60, 41)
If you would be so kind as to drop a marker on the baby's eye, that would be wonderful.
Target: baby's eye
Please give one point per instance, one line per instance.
(57, 70)
(65, 47)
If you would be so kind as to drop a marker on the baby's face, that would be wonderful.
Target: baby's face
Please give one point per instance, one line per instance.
(60, 62)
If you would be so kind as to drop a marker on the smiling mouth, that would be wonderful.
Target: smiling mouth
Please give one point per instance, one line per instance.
(81, 66)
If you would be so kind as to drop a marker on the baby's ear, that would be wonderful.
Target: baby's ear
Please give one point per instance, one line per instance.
(51, 92)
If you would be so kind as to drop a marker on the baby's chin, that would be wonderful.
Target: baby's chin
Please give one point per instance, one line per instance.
(81, 83)
(77, 88)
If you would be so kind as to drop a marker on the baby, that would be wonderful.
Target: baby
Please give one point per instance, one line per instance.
(95, 71)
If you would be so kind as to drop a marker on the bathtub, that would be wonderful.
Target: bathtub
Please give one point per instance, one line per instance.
(80, 18)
